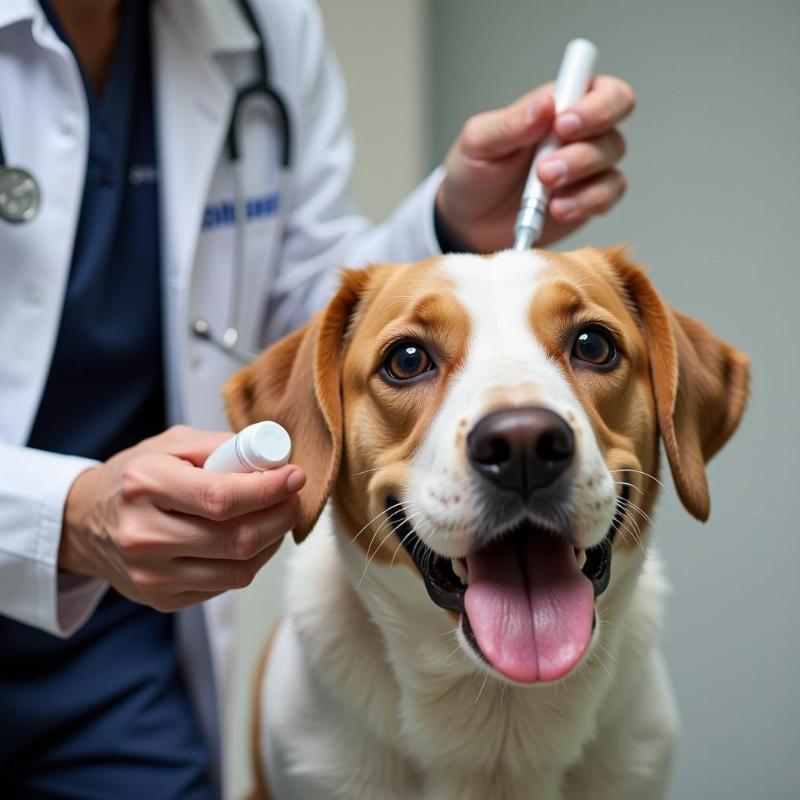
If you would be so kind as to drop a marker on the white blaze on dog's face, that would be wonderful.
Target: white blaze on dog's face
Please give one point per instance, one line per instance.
(491, 421)
(550, 465)
(510, 480)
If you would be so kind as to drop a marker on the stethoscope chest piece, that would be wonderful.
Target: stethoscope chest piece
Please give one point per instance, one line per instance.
(19, 195)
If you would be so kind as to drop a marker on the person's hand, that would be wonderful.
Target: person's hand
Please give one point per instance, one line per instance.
(486, 168)
(166, 533)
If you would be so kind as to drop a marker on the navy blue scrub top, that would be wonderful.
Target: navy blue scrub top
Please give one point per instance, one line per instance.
(105, 713)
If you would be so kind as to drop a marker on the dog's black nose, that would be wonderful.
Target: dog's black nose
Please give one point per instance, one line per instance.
(521, 449)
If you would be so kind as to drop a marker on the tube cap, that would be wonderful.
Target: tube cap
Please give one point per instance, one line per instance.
(264, 445)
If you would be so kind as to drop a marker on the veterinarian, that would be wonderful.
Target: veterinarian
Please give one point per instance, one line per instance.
(139, 264)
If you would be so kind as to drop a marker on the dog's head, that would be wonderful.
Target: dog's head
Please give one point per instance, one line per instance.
(492, 424)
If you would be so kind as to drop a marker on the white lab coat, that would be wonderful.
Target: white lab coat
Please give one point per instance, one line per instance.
(202, 50)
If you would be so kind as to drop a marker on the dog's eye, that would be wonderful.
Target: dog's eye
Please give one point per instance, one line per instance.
(596, 346)
(406, 361)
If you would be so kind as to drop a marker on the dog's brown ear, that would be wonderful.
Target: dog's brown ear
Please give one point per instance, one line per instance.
(700, 384)
(297, 382)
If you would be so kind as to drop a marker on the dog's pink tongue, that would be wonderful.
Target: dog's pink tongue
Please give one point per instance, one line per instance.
(530, 607)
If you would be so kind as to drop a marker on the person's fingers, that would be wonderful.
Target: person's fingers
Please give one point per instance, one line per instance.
(579, 160)
(189, 444)
(209, 575)
(588, 198)
(239, 539)
(495, 134)
(608, 101)
(174, 485)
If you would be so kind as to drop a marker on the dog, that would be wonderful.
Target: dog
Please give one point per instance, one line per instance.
(476, 612)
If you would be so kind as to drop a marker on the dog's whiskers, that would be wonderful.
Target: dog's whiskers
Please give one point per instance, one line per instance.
(581, 670)
(402, 541)
(631, 506)
(636, 507)
(631, 485)
(375, 533)
(379, 514)
(585, 284)
(364, 472)
(599, 643)
(625, 527)
(645, 474)
(599, 660)
(450, 654)
(480, 691)
(374, 553)
(389, 513)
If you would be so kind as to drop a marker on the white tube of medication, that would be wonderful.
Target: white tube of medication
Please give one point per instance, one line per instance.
(264, 445)
(572, 82)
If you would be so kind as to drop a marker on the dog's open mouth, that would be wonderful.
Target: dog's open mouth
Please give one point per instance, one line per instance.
(526, 601)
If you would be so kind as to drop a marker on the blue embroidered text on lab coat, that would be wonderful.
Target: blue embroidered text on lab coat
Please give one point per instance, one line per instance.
(218, 214)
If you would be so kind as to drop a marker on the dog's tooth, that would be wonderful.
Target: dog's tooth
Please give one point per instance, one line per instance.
(580, 557)
(460, 569)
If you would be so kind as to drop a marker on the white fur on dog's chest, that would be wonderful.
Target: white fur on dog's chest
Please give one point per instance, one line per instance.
(388, 692)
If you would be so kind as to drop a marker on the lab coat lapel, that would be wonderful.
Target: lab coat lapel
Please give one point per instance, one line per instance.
(194, 99)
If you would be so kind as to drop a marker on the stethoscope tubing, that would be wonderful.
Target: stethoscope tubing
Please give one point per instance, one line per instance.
(229, 341)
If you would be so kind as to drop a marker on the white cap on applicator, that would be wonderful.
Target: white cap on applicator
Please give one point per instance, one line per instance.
(263, 445)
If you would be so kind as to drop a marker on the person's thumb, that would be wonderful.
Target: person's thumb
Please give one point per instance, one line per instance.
(496, 134)
(190, 444)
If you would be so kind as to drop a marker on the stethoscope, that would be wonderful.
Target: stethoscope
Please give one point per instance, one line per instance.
(260, 87)
(20, 197)
(19, 192)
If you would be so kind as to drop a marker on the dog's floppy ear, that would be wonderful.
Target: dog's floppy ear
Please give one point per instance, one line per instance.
(297, 382)
(700, 384)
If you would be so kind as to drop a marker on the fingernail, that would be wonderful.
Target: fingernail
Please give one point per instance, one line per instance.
(564, 208)
(533, 109)
(295, 481)
(553, 170)
(568, 124)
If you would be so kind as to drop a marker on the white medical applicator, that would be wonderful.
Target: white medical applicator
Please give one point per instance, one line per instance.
(572, 82)
(263, 445)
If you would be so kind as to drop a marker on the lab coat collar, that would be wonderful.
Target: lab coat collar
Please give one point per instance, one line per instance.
(215, 26)
(12, 11)
(194, 99)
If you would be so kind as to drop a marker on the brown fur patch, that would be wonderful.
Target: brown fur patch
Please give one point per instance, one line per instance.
(629, 406)
(577, 289)
(386, 424)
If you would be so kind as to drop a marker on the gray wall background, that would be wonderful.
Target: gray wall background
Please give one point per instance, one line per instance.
(713, 208)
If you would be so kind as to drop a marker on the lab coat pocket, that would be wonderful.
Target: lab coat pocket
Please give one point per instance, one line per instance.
(261, 251)
(223, 298)
(234, 267)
